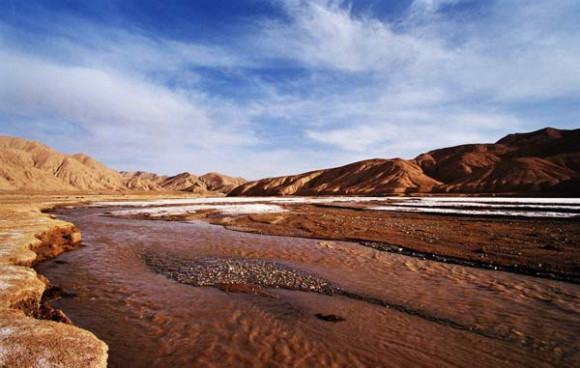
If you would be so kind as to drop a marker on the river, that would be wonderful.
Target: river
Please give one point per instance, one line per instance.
(398, 311)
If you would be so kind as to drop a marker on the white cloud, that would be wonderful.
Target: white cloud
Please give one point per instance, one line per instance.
(396, 137)
(514, 52)
(369, 88)
(434, 83)
(324, 34)
(117, 110)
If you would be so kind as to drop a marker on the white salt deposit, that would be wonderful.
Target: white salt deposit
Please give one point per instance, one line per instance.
(6, 331)
(473, 206)
(488, 206)
(182, 210)
(438, 204)
(234, 200)
(574, 201)
(482, 212)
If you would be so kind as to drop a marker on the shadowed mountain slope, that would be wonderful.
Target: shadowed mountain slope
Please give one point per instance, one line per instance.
(364, 177)
(221, 183)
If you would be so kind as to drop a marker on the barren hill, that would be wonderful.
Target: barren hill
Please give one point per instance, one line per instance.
(32, 166)
(220, 182)
(27, 165)
(185, 182)
(364, 177)
(544, 161)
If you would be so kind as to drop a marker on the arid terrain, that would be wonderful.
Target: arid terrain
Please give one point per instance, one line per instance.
(289, 183)
(139, 269)
(33, 334)
(537, 247)
(27, 166)
(546, 161)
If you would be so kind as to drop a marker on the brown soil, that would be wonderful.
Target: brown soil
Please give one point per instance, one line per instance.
(57, 241)
(30, 335)
(53, 242)
(546, 248)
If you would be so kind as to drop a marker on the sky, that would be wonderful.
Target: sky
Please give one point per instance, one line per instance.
(260, 88)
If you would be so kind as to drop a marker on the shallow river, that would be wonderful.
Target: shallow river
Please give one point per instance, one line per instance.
(409, 312)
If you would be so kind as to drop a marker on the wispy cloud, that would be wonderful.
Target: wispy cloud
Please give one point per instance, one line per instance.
(112, 107)
(318, 87)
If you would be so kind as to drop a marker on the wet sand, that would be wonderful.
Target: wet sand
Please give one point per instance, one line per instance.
(393, 310)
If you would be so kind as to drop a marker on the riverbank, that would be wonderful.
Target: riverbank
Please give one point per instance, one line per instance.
(27, 236)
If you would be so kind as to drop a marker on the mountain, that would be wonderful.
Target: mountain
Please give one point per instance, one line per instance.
(221, 183)
(185, 182)
(520, 163)
(143, 181)
(544, 161)
(364, 177)
(32, 166)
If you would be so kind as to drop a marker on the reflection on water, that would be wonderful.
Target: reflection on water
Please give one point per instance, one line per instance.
(150, 320)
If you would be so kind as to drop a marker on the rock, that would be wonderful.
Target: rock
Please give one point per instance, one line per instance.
(329, 317)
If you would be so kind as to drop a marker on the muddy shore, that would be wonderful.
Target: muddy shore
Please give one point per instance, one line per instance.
(32, 332)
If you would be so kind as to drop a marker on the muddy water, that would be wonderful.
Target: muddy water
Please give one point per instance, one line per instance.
(411, 313)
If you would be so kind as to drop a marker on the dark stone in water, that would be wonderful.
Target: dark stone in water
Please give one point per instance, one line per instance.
(550, 247)
(329, 317)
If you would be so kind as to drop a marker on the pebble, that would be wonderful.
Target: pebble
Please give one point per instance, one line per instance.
(258, 274)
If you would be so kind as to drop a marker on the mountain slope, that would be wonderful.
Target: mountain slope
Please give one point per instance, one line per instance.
(221, 183)
(32, 166)
(547, 160)
(27, 165)
(359, 178)
(206, 184)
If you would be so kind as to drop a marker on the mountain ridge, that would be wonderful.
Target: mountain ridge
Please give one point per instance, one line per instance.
(543, 161)
(33, 166)
(546, 161)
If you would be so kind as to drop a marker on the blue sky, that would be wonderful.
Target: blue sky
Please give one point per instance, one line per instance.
(259, 88)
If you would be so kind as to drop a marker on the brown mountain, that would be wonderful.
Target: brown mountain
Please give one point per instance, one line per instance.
(221, 183)
(544, 161)
(185, 182)
(365, 177)
(32, 166)
(539, 161)
(143, 181)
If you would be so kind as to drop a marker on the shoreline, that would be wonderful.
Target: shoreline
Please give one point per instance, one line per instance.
(32, 333)
(27, 337)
